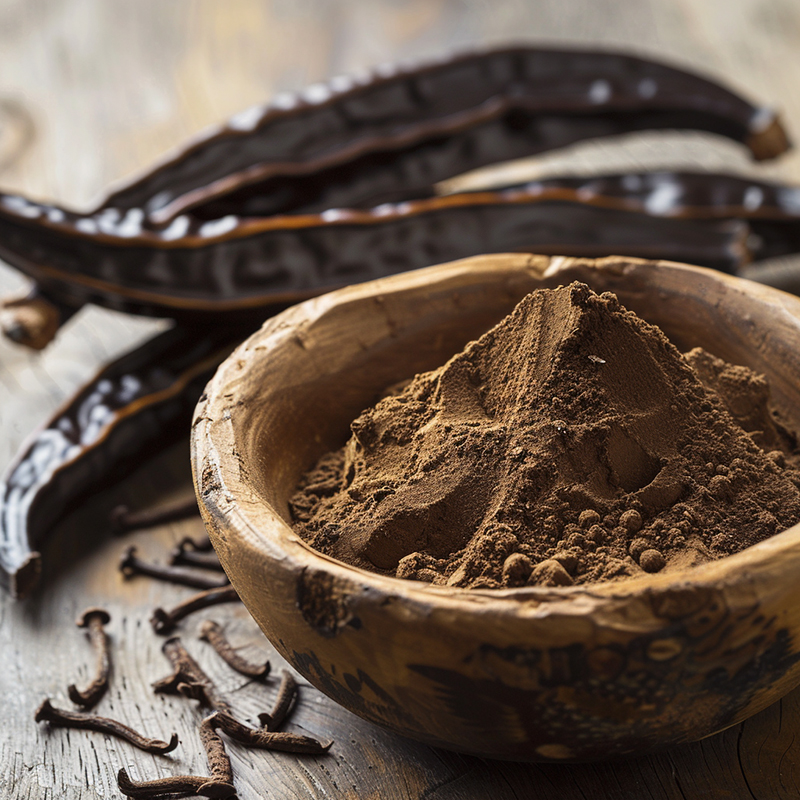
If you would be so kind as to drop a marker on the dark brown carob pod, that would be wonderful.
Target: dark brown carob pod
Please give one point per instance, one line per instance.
(135, 406)
(237, 271)
(393, 134)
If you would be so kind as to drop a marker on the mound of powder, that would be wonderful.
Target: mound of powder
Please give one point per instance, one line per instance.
(571, 443)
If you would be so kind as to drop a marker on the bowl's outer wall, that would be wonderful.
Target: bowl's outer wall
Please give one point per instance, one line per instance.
(525, 674)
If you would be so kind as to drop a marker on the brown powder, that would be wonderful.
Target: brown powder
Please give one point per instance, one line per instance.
(571, 443)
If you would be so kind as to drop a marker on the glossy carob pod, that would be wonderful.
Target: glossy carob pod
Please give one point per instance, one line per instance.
(394, 133)
(771, 209)
(680, 194)
(238, 272)
(134, 407)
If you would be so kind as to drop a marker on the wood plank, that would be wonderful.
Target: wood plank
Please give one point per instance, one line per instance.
(109, 87)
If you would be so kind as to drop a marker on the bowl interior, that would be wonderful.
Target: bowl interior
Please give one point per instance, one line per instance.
(347, 353)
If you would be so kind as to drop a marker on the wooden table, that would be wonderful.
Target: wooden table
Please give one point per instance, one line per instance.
(94, 89)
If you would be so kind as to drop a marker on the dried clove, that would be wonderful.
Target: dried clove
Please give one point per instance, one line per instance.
(219, 784)
(218, 760)
(94, 619)
(164, 622)
(194, 558)
(267, 740)
(131, 565)
(188, 678)
(124, 520)
(287, 692)
(202, 545)
(77, 719)
(212, 633)
(173, 786)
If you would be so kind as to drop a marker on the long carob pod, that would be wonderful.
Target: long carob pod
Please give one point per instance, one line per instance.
(394, 133)
(132, 408)
(237, 271)
(681, 194)
(771, 209)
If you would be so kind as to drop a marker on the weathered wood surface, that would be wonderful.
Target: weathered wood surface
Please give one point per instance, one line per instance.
(99, 88)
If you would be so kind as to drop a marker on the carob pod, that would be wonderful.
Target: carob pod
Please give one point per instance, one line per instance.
(687, 195)
(240, 271)
(394, 133)
(33, 319)
(771, 209)
(132, 408)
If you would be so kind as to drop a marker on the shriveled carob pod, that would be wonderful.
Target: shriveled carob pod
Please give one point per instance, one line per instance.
(134, 407)
(392, 134)
(238, 271)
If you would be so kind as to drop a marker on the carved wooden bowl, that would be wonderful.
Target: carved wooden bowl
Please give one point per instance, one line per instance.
(577, 673)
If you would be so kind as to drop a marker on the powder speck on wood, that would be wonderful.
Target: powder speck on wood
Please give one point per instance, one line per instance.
(571, 443)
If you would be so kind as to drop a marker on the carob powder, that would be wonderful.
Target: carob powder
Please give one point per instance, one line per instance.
(571, 443)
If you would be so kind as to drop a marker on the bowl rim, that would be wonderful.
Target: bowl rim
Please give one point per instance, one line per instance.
(228, 501)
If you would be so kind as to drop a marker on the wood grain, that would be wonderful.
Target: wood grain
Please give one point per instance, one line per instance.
(109, 86)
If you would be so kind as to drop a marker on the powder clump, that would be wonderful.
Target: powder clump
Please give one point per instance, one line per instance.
(571, 443)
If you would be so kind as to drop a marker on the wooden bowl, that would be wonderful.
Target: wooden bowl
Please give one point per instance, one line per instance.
(575, 673)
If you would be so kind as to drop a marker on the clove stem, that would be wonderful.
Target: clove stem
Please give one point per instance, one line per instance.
(188, 678)
(165, 621)
(131, 565)
(94, 619)
(77, 719)
(267, 740)
(124, 520)
(173, 786)
(194, 558)
(287, 692)
(212, 633)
